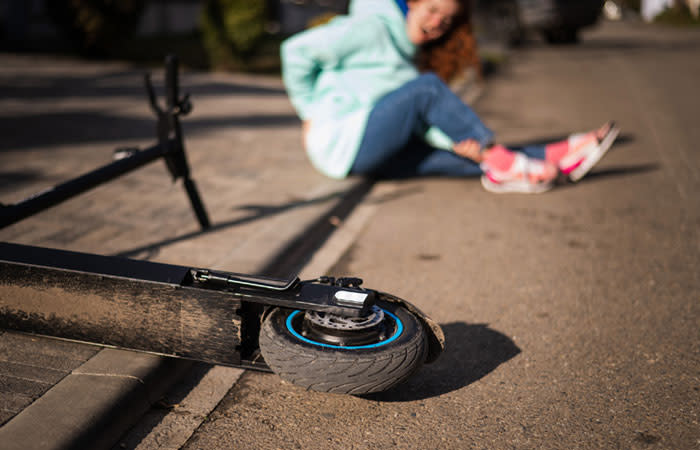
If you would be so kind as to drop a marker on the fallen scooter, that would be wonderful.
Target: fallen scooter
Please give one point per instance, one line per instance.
(327, 334)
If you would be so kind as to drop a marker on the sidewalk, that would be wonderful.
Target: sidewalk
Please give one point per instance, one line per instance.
(62, 118)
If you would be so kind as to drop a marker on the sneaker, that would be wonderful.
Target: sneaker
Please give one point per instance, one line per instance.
(586, 149)
(525, 175)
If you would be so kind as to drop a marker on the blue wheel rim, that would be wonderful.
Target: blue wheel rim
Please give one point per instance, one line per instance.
(397, 333)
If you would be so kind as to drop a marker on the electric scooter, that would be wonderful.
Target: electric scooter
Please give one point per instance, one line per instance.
(327, 334)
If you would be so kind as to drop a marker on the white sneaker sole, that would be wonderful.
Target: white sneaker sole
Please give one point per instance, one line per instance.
(521, 187)
(588, 163)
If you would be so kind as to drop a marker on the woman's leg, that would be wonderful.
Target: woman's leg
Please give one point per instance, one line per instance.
(419, 159)
(555, 151)
(427, 101)
(419, 104)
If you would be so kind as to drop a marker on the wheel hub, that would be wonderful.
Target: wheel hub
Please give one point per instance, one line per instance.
(339, 330)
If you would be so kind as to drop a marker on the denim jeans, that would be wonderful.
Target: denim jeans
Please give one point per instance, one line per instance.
(390, 147)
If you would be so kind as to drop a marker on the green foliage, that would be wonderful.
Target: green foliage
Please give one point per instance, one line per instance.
(677, 15)
(232, 31)
(96, 26)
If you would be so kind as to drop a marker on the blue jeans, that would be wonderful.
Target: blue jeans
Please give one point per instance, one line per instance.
(390, 147)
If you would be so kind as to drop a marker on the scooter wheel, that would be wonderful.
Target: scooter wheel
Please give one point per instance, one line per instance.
(328, 353)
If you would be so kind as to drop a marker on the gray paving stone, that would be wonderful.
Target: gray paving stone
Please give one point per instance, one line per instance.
(20, 347)
(13, 402)
(22, 386)
(6, 414)
(31, 372)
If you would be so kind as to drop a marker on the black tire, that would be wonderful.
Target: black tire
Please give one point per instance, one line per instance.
(321, 366)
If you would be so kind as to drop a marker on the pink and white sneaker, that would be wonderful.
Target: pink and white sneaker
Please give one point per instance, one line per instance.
(525, 175)
(585, 150)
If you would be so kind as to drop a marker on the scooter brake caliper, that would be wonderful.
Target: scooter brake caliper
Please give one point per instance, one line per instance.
(342, 330)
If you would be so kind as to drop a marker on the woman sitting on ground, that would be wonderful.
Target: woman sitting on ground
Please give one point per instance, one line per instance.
(370, 88)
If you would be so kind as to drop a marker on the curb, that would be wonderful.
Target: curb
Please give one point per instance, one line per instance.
(92, 406)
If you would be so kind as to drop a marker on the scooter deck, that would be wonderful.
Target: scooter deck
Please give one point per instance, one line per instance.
(152, 307)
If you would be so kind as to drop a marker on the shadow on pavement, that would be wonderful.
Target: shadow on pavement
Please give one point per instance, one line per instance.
(11, 180)
(472, 352)
(80, 127)
(40, 86)
(622, 139)
(395, 195)
(598, 174)
(257, 212)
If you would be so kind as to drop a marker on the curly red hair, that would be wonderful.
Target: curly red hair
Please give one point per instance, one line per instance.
(455, 51)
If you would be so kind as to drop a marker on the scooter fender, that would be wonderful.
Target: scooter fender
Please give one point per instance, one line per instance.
(436, 337)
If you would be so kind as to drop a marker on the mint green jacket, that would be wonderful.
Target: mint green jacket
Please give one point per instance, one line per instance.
(335, 74)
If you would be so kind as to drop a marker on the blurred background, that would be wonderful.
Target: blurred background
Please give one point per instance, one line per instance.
(239, 35)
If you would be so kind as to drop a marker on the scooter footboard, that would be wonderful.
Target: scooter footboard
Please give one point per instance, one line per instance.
(136, 305)
(153, 307)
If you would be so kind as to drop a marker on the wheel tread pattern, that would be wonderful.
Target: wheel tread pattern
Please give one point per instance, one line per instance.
(338, 370)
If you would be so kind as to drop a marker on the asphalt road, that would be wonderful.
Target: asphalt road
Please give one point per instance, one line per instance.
(572, 318)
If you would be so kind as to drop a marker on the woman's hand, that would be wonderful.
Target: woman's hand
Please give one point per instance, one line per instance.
(305, 127)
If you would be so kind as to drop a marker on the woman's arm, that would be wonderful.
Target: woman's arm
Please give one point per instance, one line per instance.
(307, 54)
